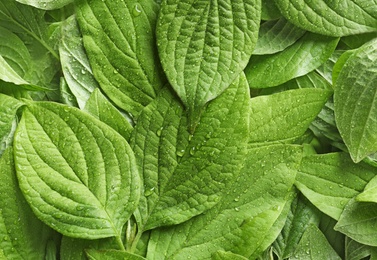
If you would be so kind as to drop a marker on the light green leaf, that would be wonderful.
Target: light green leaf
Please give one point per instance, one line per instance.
(358, 221)
(339, 64)
(119, 40)
(276, 35)
(341, 178)
(98, 106)
(284, 115)
(78, 174)
(75, 63)
(313, 245)
(240, 221)
(355, 250)
(46, 4)
(370, 192)
(222, 255)
(204, 45)
(332, 18)
(304, 56)
(111, 255)
(354, 100)
(191, 177)
(302, 214)
(19, 227)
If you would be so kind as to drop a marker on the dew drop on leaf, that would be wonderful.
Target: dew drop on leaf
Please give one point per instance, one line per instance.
(180, 153)
(137, 10)
(159, 131)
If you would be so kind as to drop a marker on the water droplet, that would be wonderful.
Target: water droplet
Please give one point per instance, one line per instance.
(190, 137)
(83, 71)
(237, 209)
(137, 10)
(115, 72)
(192, 151)
(180, 153)
(159, 131)
(149, 192)
(80, 208)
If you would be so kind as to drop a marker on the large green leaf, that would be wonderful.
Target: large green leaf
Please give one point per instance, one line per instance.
(204, 45)
(78, 174)
(358, 221)
(355, 101)
(19, 227)
(186, 175)
(119, 40)
(74, 61)
(276, 35)
(341, 178)
(304, 56)
(333, 18)
(46, 4)
(285, 115)
(241, 220)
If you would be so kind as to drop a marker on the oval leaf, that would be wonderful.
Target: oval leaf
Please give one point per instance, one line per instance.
(75, 171)
(355, 97)
(204, 45)
(333, 18)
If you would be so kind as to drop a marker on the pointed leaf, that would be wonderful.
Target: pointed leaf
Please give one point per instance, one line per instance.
(284, 115)
(370, 192)
(8, 110)
(119, 40)
(212, 159)
(271, 70)
(355, 103)
(19, 227)
(75, 64)
(204, 45)
(333, 18)
(98, 106)
(75, 171)
(342, 178)
(240, 221)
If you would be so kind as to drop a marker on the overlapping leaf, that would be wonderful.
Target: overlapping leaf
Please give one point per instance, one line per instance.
(304, 56)
(208, 160)
(78, 174)
(46, 4)
(119, 40)
(355, 101)
(240, 221)
(204, 45)
(333, 18)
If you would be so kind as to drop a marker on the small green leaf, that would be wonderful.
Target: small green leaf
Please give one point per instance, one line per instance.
(358, 221)
(119, 40)
(75, 63)
(284, 115)
(111, 255)
(204, 45)
(46, 4)
(98, 106)
(354, 100)
(19, 227)
(313, 245)
(332, 18)
(276, 35)
(78, 174)
(271, 70)
(329, 181)
(240, 221)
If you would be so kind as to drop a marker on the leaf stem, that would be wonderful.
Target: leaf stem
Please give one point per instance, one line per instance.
(120, 243)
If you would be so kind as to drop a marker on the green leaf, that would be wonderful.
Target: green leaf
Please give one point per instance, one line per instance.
(23, 236)
(307, 54)
(46, 4)
(75, 63)
(313, 245)
(332, 18)
(119, 40)
(204, 45)
(98, 106)
(192, 177)
(222, 255)
(370, 192)
(276, 35)
(354, 100)
(284, 115)
(358, 221)
(269, 10)
(111, 255)
(355, 250)
(302, 214)
(329, 181)
(240, 221)
(78, 174)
